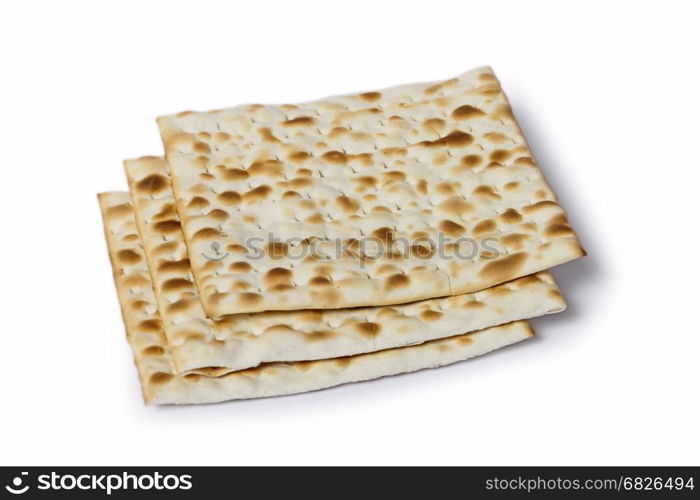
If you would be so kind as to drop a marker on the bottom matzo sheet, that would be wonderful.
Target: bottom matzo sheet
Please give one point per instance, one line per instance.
(162, 385)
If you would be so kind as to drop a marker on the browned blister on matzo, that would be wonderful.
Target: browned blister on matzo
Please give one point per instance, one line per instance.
(161, 384)
(245, 340)
(444, 163)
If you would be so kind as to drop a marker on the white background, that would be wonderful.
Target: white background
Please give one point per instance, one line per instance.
(607, 93)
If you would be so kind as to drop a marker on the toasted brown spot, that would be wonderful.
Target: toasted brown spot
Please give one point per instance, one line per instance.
(233, 174)
(268, 168)
(119, 210)
(267, 135)
(495, 137)
(387, 312)
(159, 378)
(167, 247)
(303, 366)
(364, 158)
(136, 279)
(466, 112)
(167, 212)
(395, 151)
(154, 350)
(347, 205)
(301, 182)
(485, 226)
(336, 132)
(319, 335)
(365, 180)
(499, 155)
(335, 157)
(511, 185)
(430, 315)
(149, 325)
(453, 139)
(473, 304)
(299, 156)
(201, 147)
(194, 337)
(240, 286)
(393, 176)
(128, 257)
(514, 241)
(471, 160)
(229, 198)
(446, 187)
(198, 203)
(240, 267)
(319, 281)
(167, 226)
(175, 284)
(139, 304)
(218, 214)
(511, 216)
(301, 120)
(558, 230)
(370, 96)
(206, 233)
(343, 362)
(221, 137)
(498, 291)
(276, 250)
(487, 192)
(174, 265)
(248, 299)
(504, 269)
(385, 269)
(257, 194)
(440, 86)
(539, 206)
(451, 228)
(152, 184)
(368, 329)
(455, 205)
(384, 234)
(422, 250)
(525, 160)
(288, 195)
(381, 210)
(422, 186)
(560, 218)
(397, 281)
(503, 112)
(180, 305)
(277, 275)
(434, 124)
(316, 218)
(465, 339)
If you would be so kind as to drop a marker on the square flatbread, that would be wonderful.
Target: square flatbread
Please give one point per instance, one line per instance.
(245, 340)
(409, 193)
(162, 385)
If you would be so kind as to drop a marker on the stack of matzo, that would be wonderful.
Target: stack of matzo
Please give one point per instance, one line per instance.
(282, 249)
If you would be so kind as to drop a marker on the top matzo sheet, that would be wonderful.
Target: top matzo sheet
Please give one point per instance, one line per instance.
(408, 193)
